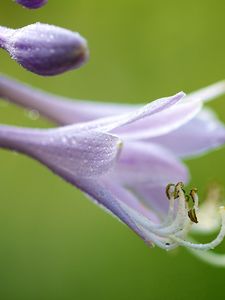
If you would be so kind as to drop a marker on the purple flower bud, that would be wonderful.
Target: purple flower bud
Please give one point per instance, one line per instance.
(45, 49)
(32, 4)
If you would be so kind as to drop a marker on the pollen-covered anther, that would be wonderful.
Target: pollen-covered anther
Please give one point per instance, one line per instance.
(193, 194)
(169, 190)
(192, 215)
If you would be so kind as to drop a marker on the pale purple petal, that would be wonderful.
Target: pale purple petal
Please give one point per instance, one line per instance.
(64, 111)
(146, 169)
(61, 110)
(125, 195)
(208, 93)
(161, 123)
(83, 154)
(201, 134)
(109, 198)
(111, 124)
(141, 162)
(154, 198)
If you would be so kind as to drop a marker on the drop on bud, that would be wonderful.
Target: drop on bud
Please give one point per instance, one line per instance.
(45, 49)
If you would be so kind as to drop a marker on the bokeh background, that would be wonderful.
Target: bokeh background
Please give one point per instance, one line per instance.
(54, 243)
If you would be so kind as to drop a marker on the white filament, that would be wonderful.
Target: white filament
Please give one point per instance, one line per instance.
(173, 231)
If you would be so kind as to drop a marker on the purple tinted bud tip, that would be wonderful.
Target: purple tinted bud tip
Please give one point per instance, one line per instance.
(32, 4)
(45, 49)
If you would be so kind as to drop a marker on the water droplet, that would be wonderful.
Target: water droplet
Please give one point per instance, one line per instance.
(33, 114)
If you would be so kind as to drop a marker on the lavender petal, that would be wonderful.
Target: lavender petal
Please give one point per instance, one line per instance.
(203, 133)
(83, 154)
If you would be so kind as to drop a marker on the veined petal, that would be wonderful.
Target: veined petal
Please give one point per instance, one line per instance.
(201, 134)
(61, 110)
(146, 169)
(126, 195)
(111, 124)
(163, 122)
(208, 93)
(66, 111)
(177, 116)
(110, 197)
(83, 154)
(141, 163)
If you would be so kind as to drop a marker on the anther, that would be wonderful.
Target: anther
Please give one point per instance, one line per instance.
(192, 215)
(193, 193)
(178, 186)
(168, 193)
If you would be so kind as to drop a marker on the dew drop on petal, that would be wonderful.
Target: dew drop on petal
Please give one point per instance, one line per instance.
(32, 114)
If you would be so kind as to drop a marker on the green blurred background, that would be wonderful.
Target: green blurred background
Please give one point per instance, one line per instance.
(54, 243)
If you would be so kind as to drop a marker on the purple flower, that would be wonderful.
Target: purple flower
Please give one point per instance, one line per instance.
(32, 4)
(45, 49)
(124, 162)
(100, 161)
(199, 132)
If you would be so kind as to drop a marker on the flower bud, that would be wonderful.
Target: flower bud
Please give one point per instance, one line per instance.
(32, 4)
(45, 49)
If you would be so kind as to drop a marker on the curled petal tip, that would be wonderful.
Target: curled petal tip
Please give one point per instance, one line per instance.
(181, 94)
(44, 49)
(32, 4)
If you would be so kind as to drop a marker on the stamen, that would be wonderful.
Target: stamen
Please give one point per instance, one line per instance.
(171, 233)
(210, 245)
(192, 215)
(168, 190)
(208, 214)
(210, 257)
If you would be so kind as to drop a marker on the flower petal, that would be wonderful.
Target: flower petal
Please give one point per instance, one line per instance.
(62, 110)
(148, 163)
(83, 154)
(109, 197)
(163, 122)
(174, 117)
(125, 120)
(208, 93)
(201, 134)
(146, 169)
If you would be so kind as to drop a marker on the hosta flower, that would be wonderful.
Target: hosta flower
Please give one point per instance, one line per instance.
(125, 162)
(44, 49)
(199, 132)
(103, 163)
(32, 4)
